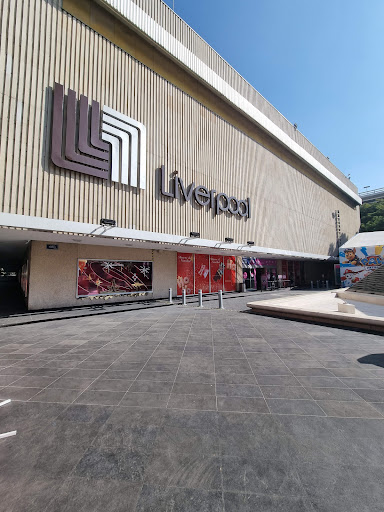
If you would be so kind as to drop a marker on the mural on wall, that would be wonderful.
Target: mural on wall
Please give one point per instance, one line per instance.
(357, 262)
(108, 277)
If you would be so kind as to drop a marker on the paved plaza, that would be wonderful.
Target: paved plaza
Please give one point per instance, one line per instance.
(181, 409)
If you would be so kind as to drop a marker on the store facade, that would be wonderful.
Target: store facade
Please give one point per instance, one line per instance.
(134, 159)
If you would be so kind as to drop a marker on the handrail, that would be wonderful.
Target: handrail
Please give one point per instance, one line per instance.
(369, 192)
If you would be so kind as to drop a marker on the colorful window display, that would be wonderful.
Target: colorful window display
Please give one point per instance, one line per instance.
(357, 262)
(202, 273)
(185, 273)
(207, 273)
(230, 273)
(112, 277)
(217, 273)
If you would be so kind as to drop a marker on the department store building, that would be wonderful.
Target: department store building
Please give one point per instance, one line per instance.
(134, 159)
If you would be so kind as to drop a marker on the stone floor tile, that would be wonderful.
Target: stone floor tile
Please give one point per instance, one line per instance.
(321, 382)
(238, 390)
(340, 394)
(178, 469)
(239, 502)
(56, 395)
(240, 404)
(202, 403)
(109, 494)
(300, 407)
(98, 397)
(291, 392)
(145, 400)
(159, 499)
(186, 388)
(259, 476)
(349, 409)
(277, 380)
(146, 386)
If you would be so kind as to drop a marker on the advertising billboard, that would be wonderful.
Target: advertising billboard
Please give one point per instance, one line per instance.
(112, 277)
(357, 262)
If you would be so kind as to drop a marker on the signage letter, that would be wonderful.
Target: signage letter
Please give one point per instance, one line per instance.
(188, 196)
(202, 195)
(219, 206)
(162, 187)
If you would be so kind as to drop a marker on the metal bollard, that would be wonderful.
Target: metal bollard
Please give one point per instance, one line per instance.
(200, 298)
(317, 284)
(311, 285)
(184, 298)
(170, 296)
(221, 299)
(327, 284)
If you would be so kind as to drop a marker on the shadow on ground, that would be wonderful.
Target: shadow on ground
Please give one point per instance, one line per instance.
(375, 359)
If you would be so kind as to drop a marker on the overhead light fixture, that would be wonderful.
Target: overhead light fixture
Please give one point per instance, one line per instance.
(229, 240)
(194, 234)
(107, 222)
(250, 243)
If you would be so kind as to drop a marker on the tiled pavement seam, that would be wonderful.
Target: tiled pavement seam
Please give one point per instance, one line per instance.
(223, 490)
(136, 377)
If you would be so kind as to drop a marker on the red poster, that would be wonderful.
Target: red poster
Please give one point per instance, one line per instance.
(217, 273)
(185, 273)
(230, 273)
(201, 273)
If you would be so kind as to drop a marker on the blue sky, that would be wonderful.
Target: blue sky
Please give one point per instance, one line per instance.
(319, 62)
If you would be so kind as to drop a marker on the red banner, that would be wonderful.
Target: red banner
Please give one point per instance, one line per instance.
(217, 273)
(230, 273)
(185, 273)
(202, 273)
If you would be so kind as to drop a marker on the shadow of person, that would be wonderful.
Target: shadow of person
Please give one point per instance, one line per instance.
(375, 359)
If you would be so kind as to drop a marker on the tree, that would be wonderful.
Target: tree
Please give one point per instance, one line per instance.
(372, 216)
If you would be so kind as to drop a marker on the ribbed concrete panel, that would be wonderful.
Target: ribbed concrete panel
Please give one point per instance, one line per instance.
(289, 210)
(183, 43)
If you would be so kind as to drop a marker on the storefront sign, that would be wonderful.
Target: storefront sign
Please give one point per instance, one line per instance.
(111, 277)
(76, 145)
(258, 263)
(219, 202)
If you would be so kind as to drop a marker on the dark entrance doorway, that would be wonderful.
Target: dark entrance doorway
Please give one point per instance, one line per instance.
(12, 257)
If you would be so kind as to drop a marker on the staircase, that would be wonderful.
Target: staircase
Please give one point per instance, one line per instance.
(372, 283)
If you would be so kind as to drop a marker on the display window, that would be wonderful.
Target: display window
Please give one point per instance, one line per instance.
(217, 273)
(202, 273)
(207, 273)
(230, 273)
(113, 277)
(185, 273)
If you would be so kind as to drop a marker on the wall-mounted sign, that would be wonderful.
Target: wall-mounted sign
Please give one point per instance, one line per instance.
(52, 247)
(111, 277)
(219, 202)
(119, 153)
